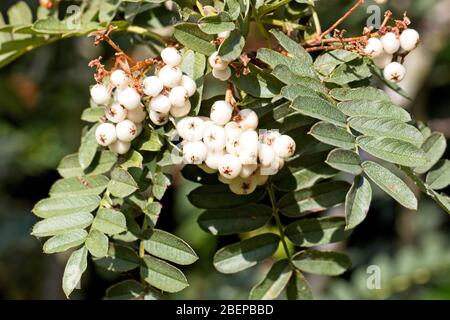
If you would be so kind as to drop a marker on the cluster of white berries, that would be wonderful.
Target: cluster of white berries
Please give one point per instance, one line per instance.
(220, 68)
(166, 93)
(232, 147)
(383, 49)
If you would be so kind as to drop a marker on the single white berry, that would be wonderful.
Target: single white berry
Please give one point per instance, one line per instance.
(224, 34)
(217, 62)
(191, 128)
(394, 72)
(160, 103)
(100, 94)
(390, 43)
(248, 156)
(152, 86)
(221, 112)
(266, 154)
(232, 127)
(284, 146)
(119, 79)
(137, 115)
(208, 122)
(409, 39)
(177, 96)
(170, 76)
(269, 136)
(129, 98)
(158, 118)
(206, 169)
(224, 180)
(383, 60)
(248, 170)
(105, 134)
(233, 145)
(260, 179)
(120, 147)
(222, 75)
(181, 112)
(248, 119)
(214, 137)
(212, 158)
(189, 85)
(116, 113)
(374, 47)
(194, 152)
(126, 130)
(171, 56)
(242, 186)
(229, 166)
(249, 140)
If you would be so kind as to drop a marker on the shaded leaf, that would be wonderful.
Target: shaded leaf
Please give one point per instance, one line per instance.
(380, 109)
(75, 267)
(190, 35)
(434, 147)
(273, 283)
(362, 93)
(322, 262)
(97, 243)
(298, 288)
(257, 83)
(162, 275)
(232, 47)
(122, 183)
(333, 135)
(357, 202)
(125, 290)
(319, 109)
(439, 178)
(119, 259)
(345, 160)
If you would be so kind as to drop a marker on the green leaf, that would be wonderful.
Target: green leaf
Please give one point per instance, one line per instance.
(257, 83)
(93, 114)
(215, 24)
(245, 254)
(52, 207)
(292, 91)
(75, 267)
(317, 231)
(133, 159)
(345, 160)
(317, 198)
(70, 167)
(162, 275)
(356, 70)
(319, 109)
(391, 184)
(333, 135)
(298, 288)
(194, 65)
(108, 10)
(233, 8)
(322, 262)
(291, 46)
(125, 290)
(166, 246)
(232, 47)
(362, 93)
(274, 58)
(220, 196)
(119, 259)
(327, 62)
(20, 14)
(154, 142)
(273, 283)
(109, 221)
(65, 241)
(434, 147)
(97, 243)
(287, 76)
(393, 150)
(79, 186)
(389, 128)
(380, 109)
(62, 224)
(357, 202)
(236, 220)
(439, 178)
(160, 184)
(190, 35)
(122, 183)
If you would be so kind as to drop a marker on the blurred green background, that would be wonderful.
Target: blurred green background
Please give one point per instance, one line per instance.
(43, 94)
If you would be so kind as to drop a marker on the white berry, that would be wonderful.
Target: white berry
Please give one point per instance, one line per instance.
(126, 130)
(221, 112)
(266, 154)
(249, 140)
(248, 170)
(242, 186)
(269, 136)
(181, 112)
(191, 128)
(374, 47)
(214, 137)
(120, 147)
(229, 166)
(217, 62)
(224, 180)
(100, 94)
(383, 60)
(233, 145)
(152, 86)
(222, 75)
(116, 113)
(248, 119)
(189, 85)
(105, 134)
(284, 146)
(160, 103)
(158, 118)
(194, 152)
(177, 96)
(260, 179)
(171, 56)
(119, 79)
(137, 115)
(129, 98)
(390, 43)
(212, 158)
(170, 76)
(394, 72)
(409, 39)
